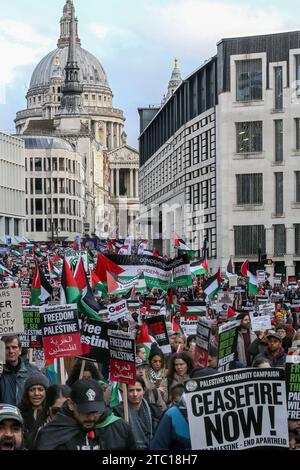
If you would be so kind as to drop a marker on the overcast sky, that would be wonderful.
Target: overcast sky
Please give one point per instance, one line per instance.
(135, 40)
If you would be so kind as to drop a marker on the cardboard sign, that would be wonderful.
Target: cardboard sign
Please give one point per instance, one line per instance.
(60, 328)
(157, 328)
(261, 276)
(11, 315)
(238, 410)
(292, 370)
(202, 342)
(32, 336)
(117, 310)
(94, 339)
(122, 357)
(260, 322)
(227, 344)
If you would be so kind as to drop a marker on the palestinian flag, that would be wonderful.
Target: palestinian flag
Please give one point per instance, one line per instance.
(4, 271)
(116, 285)
(16, 253)
(125, 250)
(95, 282)
(252, 279)
(231, 314)
(199, 268)
(229, 269)
(69, 292)
(180, 245)
(111, 248)
(53, 270)
(155, 252)
(41, 290)
(116, 396)
(57, 260)
(182, 272)
(105, 265)
(51, 371)
(144, 339)
(79, 275)
(89, 304)
(193, 308)
(212, 285)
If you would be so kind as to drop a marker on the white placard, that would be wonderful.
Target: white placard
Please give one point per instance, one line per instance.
(11, 313)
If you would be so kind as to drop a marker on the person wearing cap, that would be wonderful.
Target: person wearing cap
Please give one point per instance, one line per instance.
(15, 371)
(274, 350)
(33, 399)
(85, 422)
(11, 428)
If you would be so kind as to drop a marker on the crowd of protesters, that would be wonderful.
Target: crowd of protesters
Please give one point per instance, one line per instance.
(81, 415)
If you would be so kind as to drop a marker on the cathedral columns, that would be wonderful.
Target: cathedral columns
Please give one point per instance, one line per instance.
(117, 182)
(136, 183)
(131, 184)
(112, 182)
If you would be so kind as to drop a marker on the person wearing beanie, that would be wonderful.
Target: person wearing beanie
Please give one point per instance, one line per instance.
(33, 399)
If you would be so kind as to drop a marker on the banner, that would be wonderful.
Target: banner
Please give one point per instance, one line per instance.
(202, 342)
(117, 310)
(157, 329)
(292, 371)
(238, 410)
(60, 328)
(32, 336)
(94, 339)
(11, 315)
(227, 334)
(157, 271)
(122, 357)
(182, 272)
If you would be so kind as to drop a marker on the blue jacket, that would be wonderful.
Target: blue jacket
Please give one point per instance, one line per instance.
(12, 382)
(173, 431)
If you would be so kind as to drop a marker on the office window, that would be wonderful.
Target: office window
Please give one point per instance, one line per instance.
(6, 224)
(248, 137)
(39, 206)
(61, 164)
(248, 238)
(16, 227)
(249, 80)
(297, 177)
(297, 125)
(39, 225)
(38, 186)
(278, 193)
(279, 240)
(38, 164)
(278, 87)
(278, 140)
(249, 188)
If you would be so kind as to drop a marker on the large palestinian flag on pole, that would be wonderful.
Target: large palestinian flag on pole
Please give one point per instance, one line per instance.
(212, 285)
(69, 292)
(180, 245)
(200, 267)
(41, 289)
(116, 285)
(252, 279)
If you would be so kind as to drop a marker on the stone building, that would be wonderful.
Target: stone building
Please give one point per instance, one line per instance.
(69, 98)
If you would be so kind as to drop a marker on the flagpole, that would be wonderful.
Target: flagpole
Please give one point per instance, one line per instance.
(62, 370)
(125, 401)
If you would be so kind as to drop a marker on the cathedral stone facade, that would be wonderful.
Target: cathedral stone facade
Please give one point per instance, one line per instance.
(69, 99)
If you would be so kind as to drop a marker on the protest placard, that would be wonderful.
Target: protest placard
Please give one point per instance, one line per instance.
(238, 410)
(117, 310)
(94, 338)
(157, 328)
(26, 296)
(11, 315)
(260, 321)
(267, 309)
(122, 357)
(227, 334)
(261, 275)
(224, 300)
(60, 328)
(202, 342)
(32, 336)
(277, 278)
(233, 280)
(292, 371)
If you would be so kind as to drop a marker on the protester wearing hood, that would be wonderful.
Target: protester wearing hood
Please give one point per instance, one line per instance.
(15, 372)
(274, 350)
(11, 428)
(85, 423)
(33, 399)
